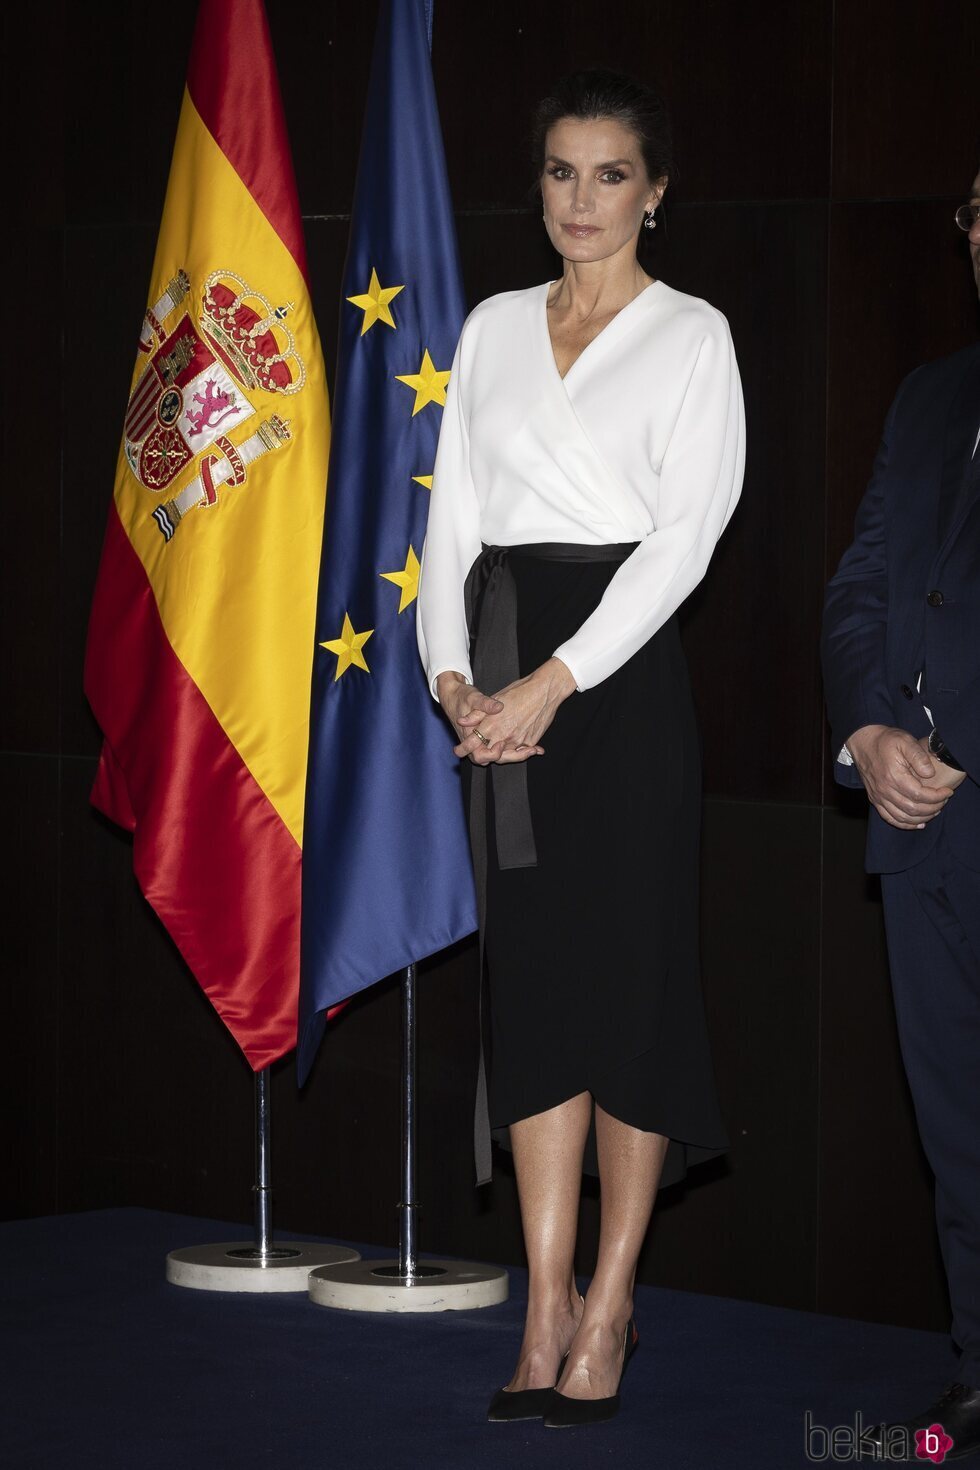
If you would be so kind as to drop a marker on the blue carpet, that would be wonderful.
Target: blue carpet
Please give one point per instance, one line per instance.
(108, 1366)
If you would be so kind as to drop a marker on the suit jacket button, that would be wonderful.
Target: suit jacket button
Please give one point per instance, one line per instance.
(907, 691)
(935, 599)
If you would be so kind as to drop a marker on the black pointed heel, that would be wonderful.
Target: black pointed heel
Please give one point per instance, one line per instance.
(566, 1413)
(522, 1403)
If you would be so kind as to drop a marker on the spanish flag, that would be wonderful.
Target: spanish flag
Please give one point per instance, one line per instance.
(198, 658)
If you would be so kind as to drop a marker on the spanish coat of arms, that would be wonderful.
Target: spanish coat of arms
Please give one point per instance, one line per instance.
(197, 387)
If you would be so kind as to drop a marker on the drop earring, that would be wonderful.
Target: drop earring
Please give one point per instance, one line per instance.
(649, 220)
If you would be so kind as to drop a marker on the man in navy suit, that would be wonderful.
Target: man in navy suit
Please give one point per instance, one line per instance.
(901, 656)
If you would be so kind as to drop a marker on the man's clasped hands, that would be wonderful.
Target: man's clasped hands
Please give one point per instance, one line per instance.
(905, 784)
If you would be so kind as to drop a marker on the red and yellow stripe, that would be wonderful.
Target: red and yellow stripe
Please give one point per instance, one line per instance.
(198, 664)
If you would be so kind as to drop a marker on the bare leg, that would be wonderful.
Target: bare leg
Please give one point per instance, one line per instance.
(630, 1162)
(548, 1149)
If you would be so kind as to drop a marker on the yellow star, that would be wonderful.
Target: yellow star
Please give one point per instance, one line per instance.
(425, 480)
(374, 303)
(348, 648)
(407, 580)
(429, 383)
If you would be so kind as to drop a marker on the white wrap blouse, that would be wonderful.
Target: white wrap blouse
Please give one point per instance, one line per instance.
(642, 440)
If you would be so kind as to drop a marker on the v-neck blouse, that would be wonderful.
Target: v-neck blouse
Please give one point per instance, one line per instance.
(642, 440)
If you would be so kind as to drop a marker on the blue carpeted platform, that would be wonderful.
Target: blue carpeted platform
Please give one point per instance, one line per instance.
(108, 1366)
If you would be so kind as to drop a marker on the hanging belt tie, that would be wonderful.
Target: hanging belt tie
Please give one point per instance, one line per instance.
(490, 600)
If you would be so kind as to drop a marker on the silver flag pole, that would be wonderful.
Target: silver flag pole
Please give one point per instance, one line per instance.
(407, 1260)
(263, 1251)
(263, 1165)
(408, 1271)
(408, 1284)
(240, 1265)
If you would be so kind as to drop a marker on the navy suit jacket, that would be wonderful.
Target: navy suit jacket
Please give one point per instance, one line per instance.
(906, 596)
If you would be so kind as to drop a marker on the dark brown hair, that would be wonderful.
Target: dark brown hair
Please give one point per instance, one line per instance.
(600, 93)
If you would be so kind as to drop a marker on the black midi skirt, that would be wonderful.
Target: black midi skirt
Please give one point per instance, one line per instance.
(592, 972)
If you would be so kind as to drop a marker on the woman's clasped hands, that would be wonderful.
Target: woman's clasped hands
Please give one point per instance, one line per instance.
(505, 727)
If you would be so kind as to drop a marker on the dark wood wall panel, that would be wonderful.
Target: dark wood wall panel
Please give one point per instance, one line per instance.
(122, 98)
(30, 611)
(32, 388)
(32, 948)
(901, 292)
(750, 626)
(713, 61)
(906, 121)
(324, 57)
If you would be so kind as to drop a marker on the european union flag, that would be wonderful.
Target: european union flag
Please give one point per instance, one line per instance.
(387, 877)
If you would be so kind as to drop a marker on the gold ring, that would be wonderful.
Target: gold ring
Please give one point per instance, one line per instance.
(482, 737)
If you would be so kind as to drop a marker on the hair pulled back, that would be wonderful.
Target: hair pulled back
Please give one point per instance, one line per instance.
(598, 92)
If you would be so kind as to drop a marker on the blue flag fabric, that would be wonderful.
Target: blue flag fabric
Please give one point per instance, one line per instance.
(387, 877)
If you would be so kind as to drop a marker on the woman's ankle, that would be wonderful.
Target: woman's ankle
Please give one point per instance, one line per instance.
(615, 1310)
(556, 1300)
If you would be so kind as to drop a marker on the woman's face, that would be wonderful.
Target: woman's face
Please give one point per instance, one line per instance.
(595, 188)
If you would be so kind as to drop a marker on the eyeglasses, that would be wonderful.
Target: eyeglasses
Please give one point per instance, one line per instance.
(967, 215)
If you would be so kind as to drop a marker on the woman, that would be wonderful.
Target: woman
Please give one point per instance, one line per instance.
(590, 455)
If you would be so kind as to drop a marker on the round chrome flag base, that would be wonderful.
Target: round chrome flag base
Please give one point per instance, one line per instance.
(435, 1286)
(239, 1266)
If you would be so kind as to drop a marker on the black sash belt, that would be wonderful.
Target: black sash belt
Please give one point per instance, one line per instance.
(490, 596)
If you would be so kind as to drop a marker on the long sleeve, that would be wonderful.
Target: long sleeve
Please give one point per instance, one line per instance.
(452, 542)
(958, 723)
(959, 714)
(700, 483)
(855, 617)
